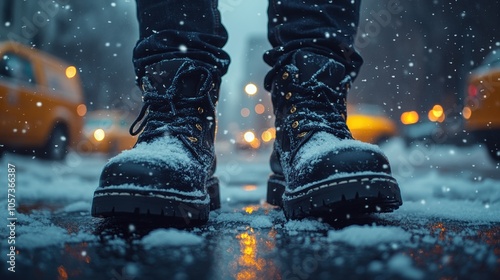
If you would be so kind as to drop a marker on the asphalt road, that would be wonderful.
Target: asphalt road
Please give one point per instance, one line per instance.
(437, 249)
(248, 239)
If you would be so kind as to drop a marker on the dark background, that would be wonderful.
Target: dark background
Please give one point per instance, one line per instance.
(418, 57)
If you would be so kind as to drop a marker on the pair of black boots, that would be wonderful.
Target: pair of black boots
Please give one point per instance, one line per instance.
(318, 169)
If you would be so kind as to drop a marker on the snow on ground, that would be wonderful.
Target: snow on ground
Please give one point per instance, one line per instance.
(366, 236)
(430, 185)
(71, 180)
(170, 237)
(402, 265)
(35, 230)
(446, 182)
(66, 186)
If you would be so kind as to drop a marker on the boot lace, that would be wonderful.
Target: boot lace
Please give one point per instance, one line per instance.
(316, 109)
(167, 113)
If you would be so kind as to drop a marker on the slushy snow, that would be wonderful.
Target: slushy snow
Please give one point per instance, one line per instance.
(170, 237)
(428, 192)
(365, 236)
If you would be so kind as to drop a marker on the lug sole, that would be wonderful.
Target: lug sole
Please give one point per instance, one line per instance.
(339, 198)
(170, 207)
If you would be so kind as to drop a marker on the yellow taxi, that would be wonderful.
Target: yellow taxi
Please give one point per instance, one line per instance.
(41, 102)
(482, 106)
(368, 123)
(107, 131)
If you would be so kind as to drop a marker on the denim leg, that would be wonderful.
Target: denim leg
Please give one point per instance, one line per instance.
(325, 27)
(180, 29)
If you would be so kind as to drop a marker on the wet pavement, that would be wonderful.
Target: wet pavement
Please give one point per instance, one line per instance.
(436, 249)
(249, 239)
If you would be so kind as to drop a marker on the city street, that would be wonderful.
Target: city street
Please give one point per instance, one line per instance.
(81, 81)
(447, 228)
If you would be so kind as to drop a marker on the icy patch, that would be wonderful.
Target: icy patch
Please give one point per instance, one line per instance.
(236, 218)
(254, 221)
(36, 230)
(366, 236)
(170, 237)
(261, 222)
(232, 194)
(45, 236)
(470, 211)
(305, 225)
(80, 206)
(256, 215)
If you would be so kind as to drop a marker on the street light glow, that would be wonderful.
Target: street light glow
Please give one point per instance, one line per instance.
(249, 136)
(251, 89)
(99, 134)
(436, 114)
(71, 72)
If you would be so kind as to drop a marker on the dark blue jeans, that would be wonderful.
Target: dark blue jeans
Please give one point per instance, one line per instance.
(193, 29)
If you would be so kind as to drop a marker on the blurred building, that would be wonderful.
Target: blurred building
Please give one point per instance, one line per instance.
(30, 23)
(420, 53)
(249, 109)
(87, 34)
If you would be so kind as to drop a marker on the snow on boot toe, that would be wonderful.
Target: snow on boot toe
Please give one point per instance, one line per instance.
(318, 169)
(169, 174)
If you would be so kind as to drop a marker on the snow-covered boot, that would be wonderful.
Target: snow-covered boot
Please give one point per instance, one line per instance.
(318, 169)
(169, 172)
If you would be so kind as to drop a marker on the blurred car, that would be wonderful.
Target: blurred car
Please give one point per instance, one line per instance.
(41, 102)
(369, 123)
(107, 131)
(482, 106)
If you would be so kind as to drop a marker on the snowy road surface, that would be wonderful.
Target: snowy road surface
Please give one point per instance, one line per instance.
(448, 227)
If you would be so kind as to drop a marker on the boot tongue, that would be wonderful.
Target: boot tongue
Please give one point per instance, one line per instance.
(314, 68)
(162, 76)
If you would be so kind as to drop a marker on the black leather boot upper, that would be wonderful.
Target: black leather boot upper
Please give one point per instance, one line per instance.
(175, 150)
(313, 143)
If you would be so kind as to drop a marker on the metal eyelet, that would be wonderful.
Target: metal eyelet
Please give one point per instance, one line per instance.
(200, 110)
(285, 75)
(193, 139)
(302, 134)
(343, 116)
(295, 124)
(293, 109)
(199, 127)
(143, 87)
(288, 95)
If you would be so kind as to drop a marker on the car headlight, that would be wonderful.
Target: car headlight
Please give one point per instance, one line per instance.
(410, 117)
(99, 134)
